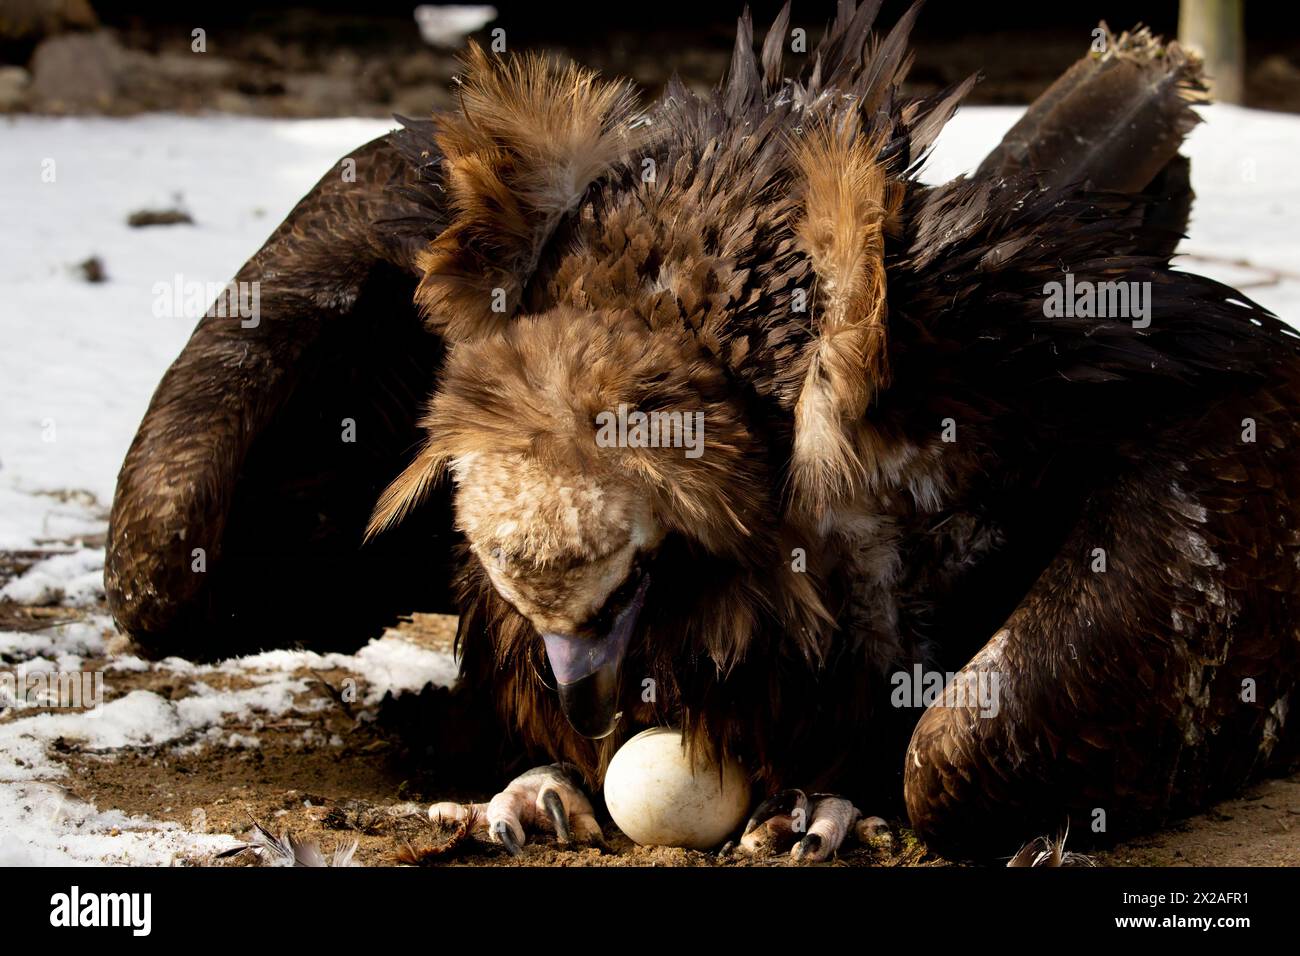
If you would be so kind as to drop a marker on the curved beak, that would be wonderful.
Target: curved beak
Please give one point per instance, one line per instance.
(587, 670)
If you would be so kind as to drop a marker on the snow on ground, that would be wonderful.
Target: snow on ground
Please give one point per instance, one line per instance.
(41, 825)
(75, 580)
(79, 361)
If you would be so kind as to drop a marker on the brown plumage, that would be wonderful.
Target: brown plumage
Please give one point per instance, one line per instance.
(848, 203)
(907, 460)
(518, 157)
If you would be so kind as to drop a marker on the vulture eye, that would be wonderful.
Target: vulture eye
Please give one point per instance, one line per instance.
(500, 558)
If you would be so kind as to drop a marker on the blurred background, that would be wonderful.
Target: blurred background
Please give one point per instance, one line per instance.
(341, 58)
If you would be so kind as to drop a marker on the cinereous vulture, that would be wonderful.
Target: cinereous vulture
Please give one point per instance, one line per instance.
(710, 414)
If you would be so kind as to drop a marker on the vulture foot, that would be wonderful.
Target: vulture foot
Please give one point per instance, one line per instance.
(811, 827)
(546, 798)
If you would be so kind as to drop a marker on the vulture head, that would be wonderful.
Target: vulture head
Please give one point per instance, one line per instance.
(640, 422)
(577, 443)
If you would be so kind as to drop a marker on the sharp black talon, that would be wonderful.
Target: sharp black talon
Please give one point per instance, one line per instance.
(784, 802)
(809, 846)
(559, 817)
(501, 830)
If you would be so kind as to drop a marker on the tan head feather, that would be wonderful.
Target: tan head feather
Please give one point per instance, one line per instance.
(407, 490)
(849, 203)
(520, 153)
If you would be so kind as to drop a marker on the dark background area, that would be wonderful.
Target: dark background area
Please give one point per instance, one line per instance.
(345, 58)
(558, 20)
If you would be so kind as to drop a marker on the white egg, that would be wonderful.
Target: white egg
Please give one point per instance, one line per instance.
(658, 798)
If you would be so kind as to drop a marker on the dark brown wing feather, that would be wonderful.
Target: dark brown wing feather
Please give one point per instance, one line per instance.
(1156, 685)
(242, 451)
(1161, 682)
(1111, 122)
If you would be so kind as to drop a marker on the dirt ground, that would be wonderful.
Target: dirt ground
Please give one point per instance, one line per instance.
(331, 774)
(362, 790)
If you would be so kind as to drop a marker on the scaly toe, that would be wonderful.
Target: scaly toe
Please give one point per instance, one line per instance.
(776, 823)
(832, 820)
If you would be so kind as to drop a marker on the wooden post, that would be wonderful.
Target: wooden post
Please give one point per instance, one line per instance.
(1216, 30)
